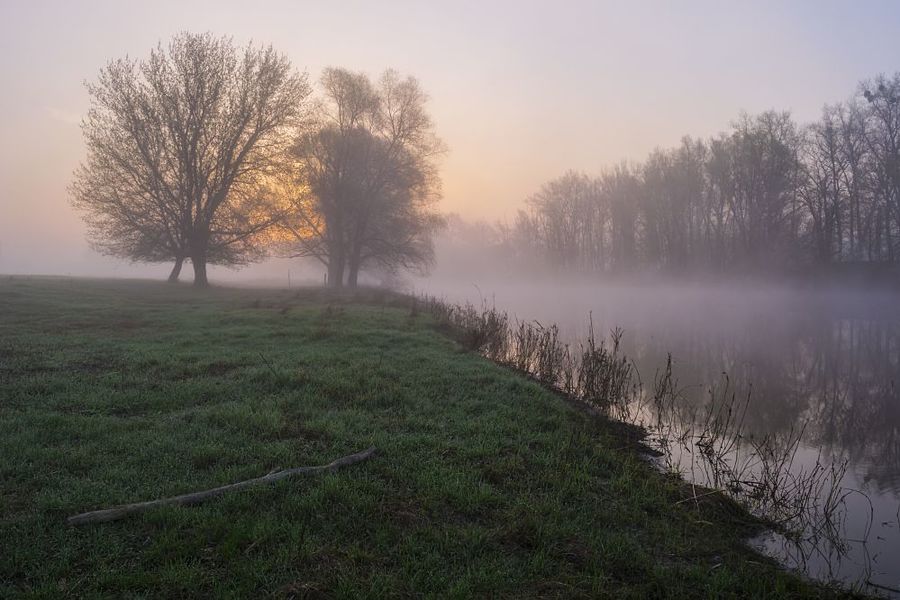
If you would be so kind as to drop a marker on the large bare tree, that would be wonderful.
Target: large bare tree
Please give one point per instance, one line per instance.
(181, 147)
(366, 177)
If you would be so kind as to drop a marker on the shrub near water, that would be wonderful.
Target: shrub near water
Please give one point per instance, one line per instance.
(596, 373)
(806, 504)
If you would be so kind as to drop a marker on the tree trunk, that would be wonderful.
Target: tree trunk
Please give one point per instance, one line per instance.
(355, 259)
(176, 270)
(200, 279)
(198, 247)
(353, 275)
(336, 270)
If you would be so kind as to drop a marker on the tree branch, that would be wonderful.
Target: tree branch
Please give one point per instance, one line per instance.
(120, 512)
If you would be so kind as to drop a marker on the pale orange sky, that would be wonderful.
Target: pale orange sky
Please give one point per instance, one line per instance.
(520, 91)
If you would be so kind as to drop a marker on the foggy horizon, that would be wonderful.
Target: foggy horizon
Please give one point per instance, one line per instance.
(519, 93)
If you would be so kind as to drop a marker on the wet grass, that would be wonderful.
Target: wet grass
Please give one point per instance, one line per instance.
(807, 505)
(487, 484)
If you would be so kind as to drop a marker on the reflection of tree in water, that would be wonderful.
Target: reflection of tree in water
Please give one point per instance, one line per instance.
(856, 406)
(836, 373)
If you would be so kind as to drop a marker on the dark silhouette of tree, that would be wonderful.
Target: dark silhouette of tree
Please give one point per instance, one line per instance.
(883, 143)
(824, 190)
(365, 178)
(181, 148)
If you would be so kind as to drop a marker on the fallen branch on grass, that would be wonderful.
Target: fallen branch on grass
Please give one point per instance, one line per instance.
(124, 510)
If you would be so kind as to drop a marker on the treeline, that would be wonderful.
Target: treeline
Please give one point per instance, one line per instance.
(768, 195)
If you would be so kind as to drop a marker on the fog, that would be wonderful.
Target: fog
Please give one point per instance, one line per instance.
(520, 92)
(815, 361)
(764, 248)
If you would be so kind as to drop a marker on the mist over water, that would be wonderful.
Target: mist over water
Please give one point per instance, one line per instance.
(728, 211)
(821, 360)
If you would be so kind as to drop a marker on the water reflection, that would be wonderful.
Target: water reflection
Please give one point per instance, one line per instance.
(825, 363)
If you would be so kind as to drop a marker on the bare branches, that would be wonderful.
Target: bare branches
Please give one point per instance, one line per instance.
(200, 150)
(765, 196)
(179, 149)
(365, 177)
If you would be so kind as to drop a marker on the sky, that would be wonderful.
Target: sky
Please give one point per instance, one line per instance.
(520, 91)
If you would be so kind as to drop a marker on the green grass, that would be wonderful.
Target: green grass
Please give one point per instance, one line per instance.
(486, 484)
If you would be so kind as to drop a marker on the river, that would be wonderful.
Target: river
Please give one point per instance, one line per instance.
(821, 363)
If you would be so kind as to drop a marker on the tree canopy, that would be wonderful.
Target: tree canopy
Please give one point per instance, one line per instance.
(181, 148)
(365, 177)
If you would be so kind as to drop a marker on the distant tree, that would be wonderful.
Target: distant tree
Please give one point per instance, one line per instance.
(765, 171)
(622, 190)
(883, 141)
(852, 126)
(562, 215)
(180, 150)
(365, 178)
(824, 191)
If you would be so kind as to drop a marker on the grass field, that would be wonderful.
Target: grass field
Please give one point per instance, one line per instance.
(485, 484)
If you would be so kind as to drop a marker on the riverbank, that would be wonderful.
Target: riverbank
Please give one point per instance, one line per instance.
(485, 483)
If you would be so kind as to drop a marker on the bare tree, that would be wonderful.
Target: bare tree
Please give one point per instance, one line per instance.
(180, 150)
(562, 214)
(824, 188)
(764, 169)
(765, 195)
(883, 140)
(366, 178)
(852, 125)
(622, 189)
